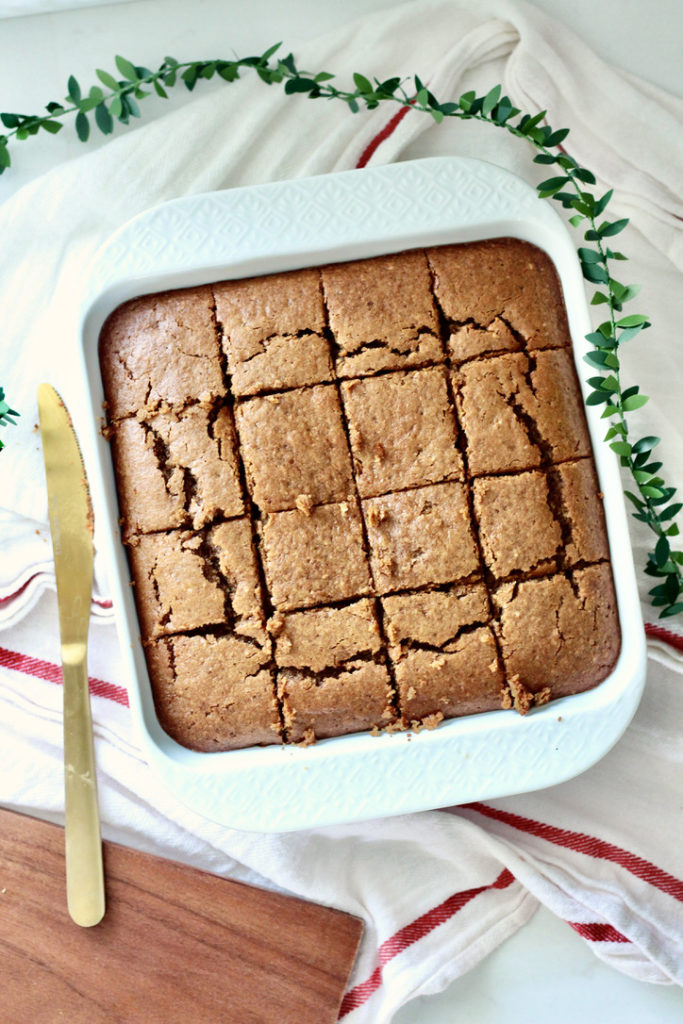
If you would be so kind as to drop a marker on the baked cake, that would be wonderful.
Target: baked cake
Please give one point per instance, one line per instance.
(358, 497)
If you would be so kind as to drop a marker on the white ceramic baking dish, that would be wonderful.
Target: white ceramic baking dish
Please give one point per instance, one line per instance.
(287, 225)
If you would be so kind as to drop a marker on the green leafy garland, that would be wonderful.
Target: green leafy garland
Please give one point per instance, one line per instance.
(6, 414)
(116, 99)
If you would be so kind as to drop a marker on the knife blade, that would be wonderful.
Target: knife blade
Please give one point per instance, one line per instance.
(71, 526)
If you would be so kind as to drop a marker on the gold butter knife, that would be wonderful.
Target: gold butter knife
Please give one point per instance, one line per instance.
(71, 525)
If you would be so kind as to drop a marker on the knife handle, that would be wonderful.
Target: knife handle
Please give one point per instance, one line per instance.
(84, 873)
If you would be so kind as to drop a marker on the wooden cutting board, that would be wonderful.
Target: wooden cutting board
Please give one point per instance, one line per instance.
(175, 945)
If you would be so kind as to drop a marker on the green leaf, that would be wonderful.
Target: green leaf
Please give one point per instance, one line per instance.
(294, 85)
(353, 106)
(103, 119)
(528, 123)
(288, 63)
(633, 320)
(490, 100)
(159, 89)
(595, 272)
(557, 137)
(589, 255)
(228, 71)
(646, 444)
(504, 111)
(596, 359)
(52, 126)
(632, 498)
(437, 115)
(10, 120)
(607, 229)
(662, 550)
(82, 126)
(190, 75)
(131, 105)
(325, 76)
(552, 184)
(127, 69)
(270, 51)
(584, 175)
(466, 100)
(362, 83)
(601, 204)
(650, 492)
(74, 90)
(597, 398)
(116, 107)
(624, 292)
(545, 158)
(87, 104)
(422, 97)
(634, 402)
(674, 609)
(630, 332)
(671, 511)
(576, 220)
(621, 448)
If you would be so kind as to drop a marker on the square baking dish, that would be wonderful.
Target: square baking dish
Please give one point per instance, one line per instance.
(308, 222)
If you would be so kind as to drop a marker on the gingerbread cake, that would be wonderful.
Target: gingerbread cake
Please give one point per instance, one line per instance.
(358, 497)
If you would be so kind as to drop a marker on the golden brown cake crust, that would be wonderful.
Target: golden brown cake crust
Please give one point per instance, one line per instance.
(214, 693)
(402, 431)
(382, 314)
(323, 638)
(316, 557)
(503, 280)
(357, 698)
(420, 537)
(177, 470)
(294, 444)
(518, 532)
(559, 632)
(161, 350)
(272, 331)
(359, 496)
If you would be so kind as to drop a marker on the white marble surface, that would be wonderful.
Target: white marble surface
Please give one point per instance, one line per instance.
(545, 972)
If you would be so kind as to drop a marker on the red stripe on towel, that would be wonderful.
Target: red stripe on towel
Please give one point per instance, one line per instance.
(412, 932)
(666, 636)
(53, 674)
(580, 842)
(596, 932)
(100, 602)
(381, 136)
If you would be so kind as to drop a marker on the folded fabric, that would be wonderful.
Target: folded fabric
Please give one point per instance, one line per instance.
(438, 891)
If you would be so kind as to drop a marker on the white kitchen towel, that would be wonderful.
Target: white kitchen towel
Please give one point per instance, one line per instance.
(438, 891)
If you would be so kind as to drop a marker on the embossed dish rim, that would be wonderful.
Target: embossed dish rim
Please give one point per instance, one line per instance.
(306, 222)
